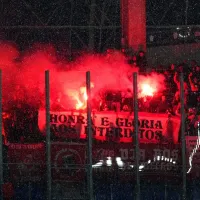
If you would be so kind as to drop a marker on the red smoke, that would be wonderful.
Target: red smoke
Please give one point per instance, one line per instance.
(23, 76)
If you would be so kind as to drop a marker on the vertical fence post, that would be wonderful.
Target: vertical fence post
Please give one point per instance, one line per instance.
(1, 139)
(29, 188)
(89, 138)
(48, 135)
(135, 136)
(183, 145)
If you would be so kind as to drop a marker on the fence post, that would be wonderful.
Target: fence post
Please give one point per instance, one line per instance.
(89, 138)
(184, 192)
(135, 136)
(48, 135)
(1, 140)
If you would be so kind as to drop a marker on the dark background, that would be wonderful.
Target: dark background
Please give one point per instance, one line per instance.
(76, 12)
(66, 22)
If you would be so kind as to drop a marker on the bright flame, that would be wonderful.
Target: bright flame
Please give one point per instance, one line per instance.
(149, 85)
(79, 104)
(82, 98)
(147, 90)
(85, 96)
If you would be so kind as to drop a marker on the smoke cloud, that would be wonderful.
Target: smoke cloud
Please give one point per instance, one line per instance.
(24, 75)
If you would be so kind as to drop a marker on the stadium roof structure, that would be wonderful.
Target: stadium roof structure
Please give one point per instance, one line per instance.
(84, 23)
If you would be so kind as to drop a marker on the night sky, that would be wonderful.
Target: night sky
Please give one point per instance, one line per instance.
(51, 12)
(172, 12)
(77, 13)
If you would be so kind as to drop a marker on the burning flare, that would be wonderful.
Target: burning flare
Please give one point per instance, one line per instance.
(147, 90)
(81, 98)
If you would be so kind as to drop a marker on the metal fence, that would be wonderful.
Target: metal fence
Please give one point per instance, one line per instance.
(92, 185)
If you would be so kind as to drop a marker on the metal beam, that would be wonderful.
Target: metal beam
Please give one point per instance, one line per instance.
(183, 145)
(59, 27)
(48, 135)
(95, 27)
(1, 140)
(135, 136)
(89, 139)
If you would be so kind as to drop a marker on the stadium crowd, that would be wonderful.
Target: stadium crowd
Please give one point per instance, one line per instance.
(23, 120)
(169, 100)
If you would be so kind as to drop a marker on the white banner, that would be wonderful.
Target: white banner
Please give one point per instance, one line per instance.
(113, 126)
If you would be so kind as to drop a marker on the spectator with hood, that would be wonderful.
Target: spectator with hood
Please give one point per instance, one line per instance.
(170, 84)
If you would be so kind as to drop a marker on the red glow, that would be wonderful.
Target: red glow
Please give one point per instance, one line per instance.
(101, 134)
(151, 84)
(147, 90)
(81, 101)
(81, 97)
(23, 80)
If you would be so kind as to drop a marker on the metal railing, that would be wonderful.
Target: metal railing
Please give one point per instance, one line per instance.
(47, 174)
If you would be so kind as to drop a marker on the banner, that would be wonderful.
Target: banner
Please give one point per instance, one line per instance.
(193, 149)
(155, 160)
(68, 161)
(148, 153)
(193, 155)
(112, 126)
(26, 161)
